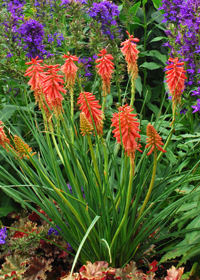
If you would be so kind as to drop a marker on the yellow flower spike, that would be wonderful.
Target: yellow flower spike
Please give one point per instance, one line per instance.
(22, 148)
(85, 126)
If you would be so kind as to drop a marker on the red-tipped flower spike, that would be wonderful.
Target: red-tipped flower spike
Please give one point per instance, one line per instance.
(3, 137)
(175, 79)
(127, 127)
(105, 70)
(52, 85)
(70, 69)
(153, 140)
(130, 52)
(35, 71)
(89, 104)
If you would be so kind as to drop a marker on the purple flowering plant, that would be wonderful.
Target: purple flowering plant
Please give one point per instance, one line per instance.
(3, 235)
(105, 13)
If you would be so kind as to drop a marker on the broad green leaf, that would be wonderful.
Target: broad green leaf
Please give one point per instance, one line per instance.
(4, 211)
(120, 7)
(153, 108)
(158, 55)
(144, 2)
(138, 85)
(150, 65)
(158, 39)
(178, 250)
(7, 112)
(194, 252)
(134, 8)
(109, 100)
(187, 206)
(156, 3)
(169, 154)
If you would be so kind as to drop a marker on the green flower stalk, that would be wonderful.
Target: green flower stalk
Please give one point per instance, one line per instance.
(124, 122)
(155, 143)
(70, 69)
(91, 116)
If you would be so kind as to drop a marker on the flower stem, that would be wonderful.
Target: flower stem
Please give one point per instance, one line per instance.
(104, 104)
(150, 186)
(170, 135)
(93, 159)
(72, 113)
(132, 92)
(128, 202)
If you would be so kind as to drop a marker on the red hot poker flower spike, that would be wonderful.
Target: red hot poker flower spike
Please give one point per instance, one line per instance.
(52, 85)
(153, 140)
(125, 122)
(3, 137)
(175, 79)
(85, 126)
(70, 69)
(105, 70)
(35, 71)
(94, 106)
(130, 52)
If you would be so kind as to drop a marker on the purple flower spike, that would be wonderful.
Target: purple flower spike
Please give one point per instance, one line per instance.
(105, 13)
(32, 34)
(197, 107)
(183, 111)
(53, 231)
(69, 247)
(3, 235)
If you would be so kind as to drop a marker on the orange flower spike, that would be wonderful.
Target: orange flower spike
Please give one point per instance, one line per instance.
(69, 69)
(128, 127)
(153, 140)
(89, 104)
(130, 52)
(35, 71)
(52, 85)
(105, 70)
(175, 79)
(3, 137)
